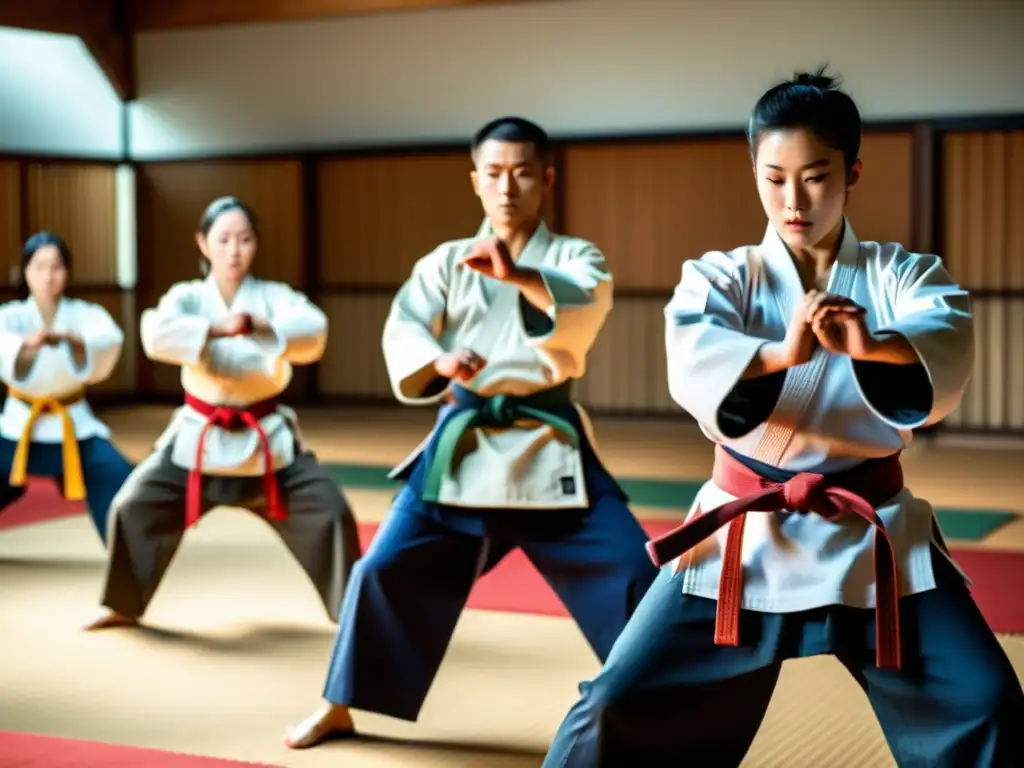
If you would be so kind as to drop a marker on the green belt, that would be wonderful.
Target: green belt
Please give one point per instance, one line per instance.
(497, 411)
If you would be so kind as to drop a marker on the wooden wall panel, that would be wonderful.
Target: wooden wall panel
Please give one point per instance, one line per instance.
(650, 207)
(881, 207)
(627, 371)
(378, 215)
(10, 221)
(983, 201)
(77, 202)
(983, 247)
(995, 397)
(173, 196)
(353, 363)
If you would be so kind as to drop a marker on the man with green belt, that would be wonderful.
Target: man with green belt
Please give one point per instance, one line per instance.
(496, 327)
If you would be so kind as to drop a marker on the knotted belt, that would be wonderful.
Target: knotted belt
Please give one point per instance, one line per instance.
(501, 411)
(860, 491)
(74, 480)
(230, 418)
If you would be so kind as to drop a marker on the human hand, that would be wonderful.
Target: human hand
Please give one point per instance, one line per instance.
(462, 364)
(75, 341)
(843, 330)
(36, 340)
(233, 325)
(491, 257)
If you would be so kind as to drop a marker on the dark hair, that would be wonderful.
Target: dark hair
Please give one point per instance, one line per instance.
(221, 206)
(514, 130)
(811, 101)
(33, 244)
(214, 211)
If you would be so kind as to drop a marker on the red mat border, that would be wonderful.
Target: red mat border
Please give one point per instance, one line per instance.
(30, 750)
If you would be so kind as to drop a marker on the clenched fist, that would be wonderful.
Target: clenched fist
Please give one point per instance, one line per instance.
(233, 325)
(462, 364)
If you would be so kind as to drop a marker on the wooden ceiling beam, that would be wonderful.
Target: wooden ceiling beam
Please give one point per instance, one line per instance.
(153, 15)
(101, 25)
(114, 49)
(59, 17)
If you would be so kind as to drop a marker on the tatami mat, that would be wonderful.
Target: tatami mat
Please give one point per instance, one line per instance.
(239, 648)
(239, 644)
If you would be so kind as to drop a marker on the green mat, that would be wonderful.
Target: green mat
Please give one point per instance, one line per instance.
(677, 495)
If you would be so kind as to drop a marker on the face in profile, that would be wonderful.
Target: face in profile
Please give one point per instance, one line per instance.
(46, 274)
(510, 181)
(803, 185)
(230, 245)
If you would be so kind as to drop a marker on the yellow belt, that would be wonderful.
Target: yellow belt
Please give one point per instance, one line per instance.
(74, 482)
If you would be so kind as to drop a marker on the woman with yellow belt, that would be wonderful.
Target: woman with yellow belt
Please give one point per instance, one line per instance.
(51, 349)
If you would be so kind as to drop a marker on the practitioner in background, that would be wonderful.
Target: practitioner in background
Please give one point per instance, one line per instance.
(232, 443)
(52, 349)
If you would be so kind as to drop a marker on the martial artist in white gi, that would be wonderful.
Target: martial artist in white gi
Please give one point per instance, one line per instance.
(52, 349)
(808, 359)
(496, 327)
(233, 443)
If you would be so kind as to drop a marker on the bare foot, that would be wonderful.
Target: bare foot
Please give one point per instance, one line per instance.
(109, 619)
(330, 721)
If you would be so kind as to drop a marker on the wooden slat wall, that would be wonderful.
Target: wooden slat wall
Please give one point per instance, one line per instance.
(983, 200)
(651, 207)
(353, 363)
(172, 198)
(10, 221)
(77, 202)
(648, 205)
(379, 214)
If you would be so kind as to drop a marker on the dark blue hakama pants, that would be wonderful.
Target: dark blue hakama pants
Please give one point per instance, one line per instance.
(408, 590)
(667, 695)
(104, 470)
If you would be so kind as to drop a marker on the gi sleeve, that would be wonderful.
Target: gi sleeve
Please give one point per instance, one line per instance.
(581, 290)
(933, 313)
(298, 328)
(708, 351)
(413, 328)
(176, 332)
(11, 341)
(103, 340)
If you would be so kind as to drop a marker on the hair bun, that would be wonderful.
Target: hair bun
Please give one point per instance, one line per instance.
(816, 80)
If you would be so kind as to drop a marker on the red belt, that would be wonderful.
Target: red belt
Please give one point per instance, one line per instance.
(860, 491)
(226, 417)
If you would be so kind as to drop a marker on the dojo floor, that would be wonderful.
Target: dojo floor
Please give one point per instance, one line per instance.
(239, 645)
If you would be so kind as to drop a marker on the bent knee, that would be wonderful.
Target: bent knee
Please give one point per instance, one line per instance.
(126, 508)
(136, 515)
(375, 565)
(990, 693)
(604, 694)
